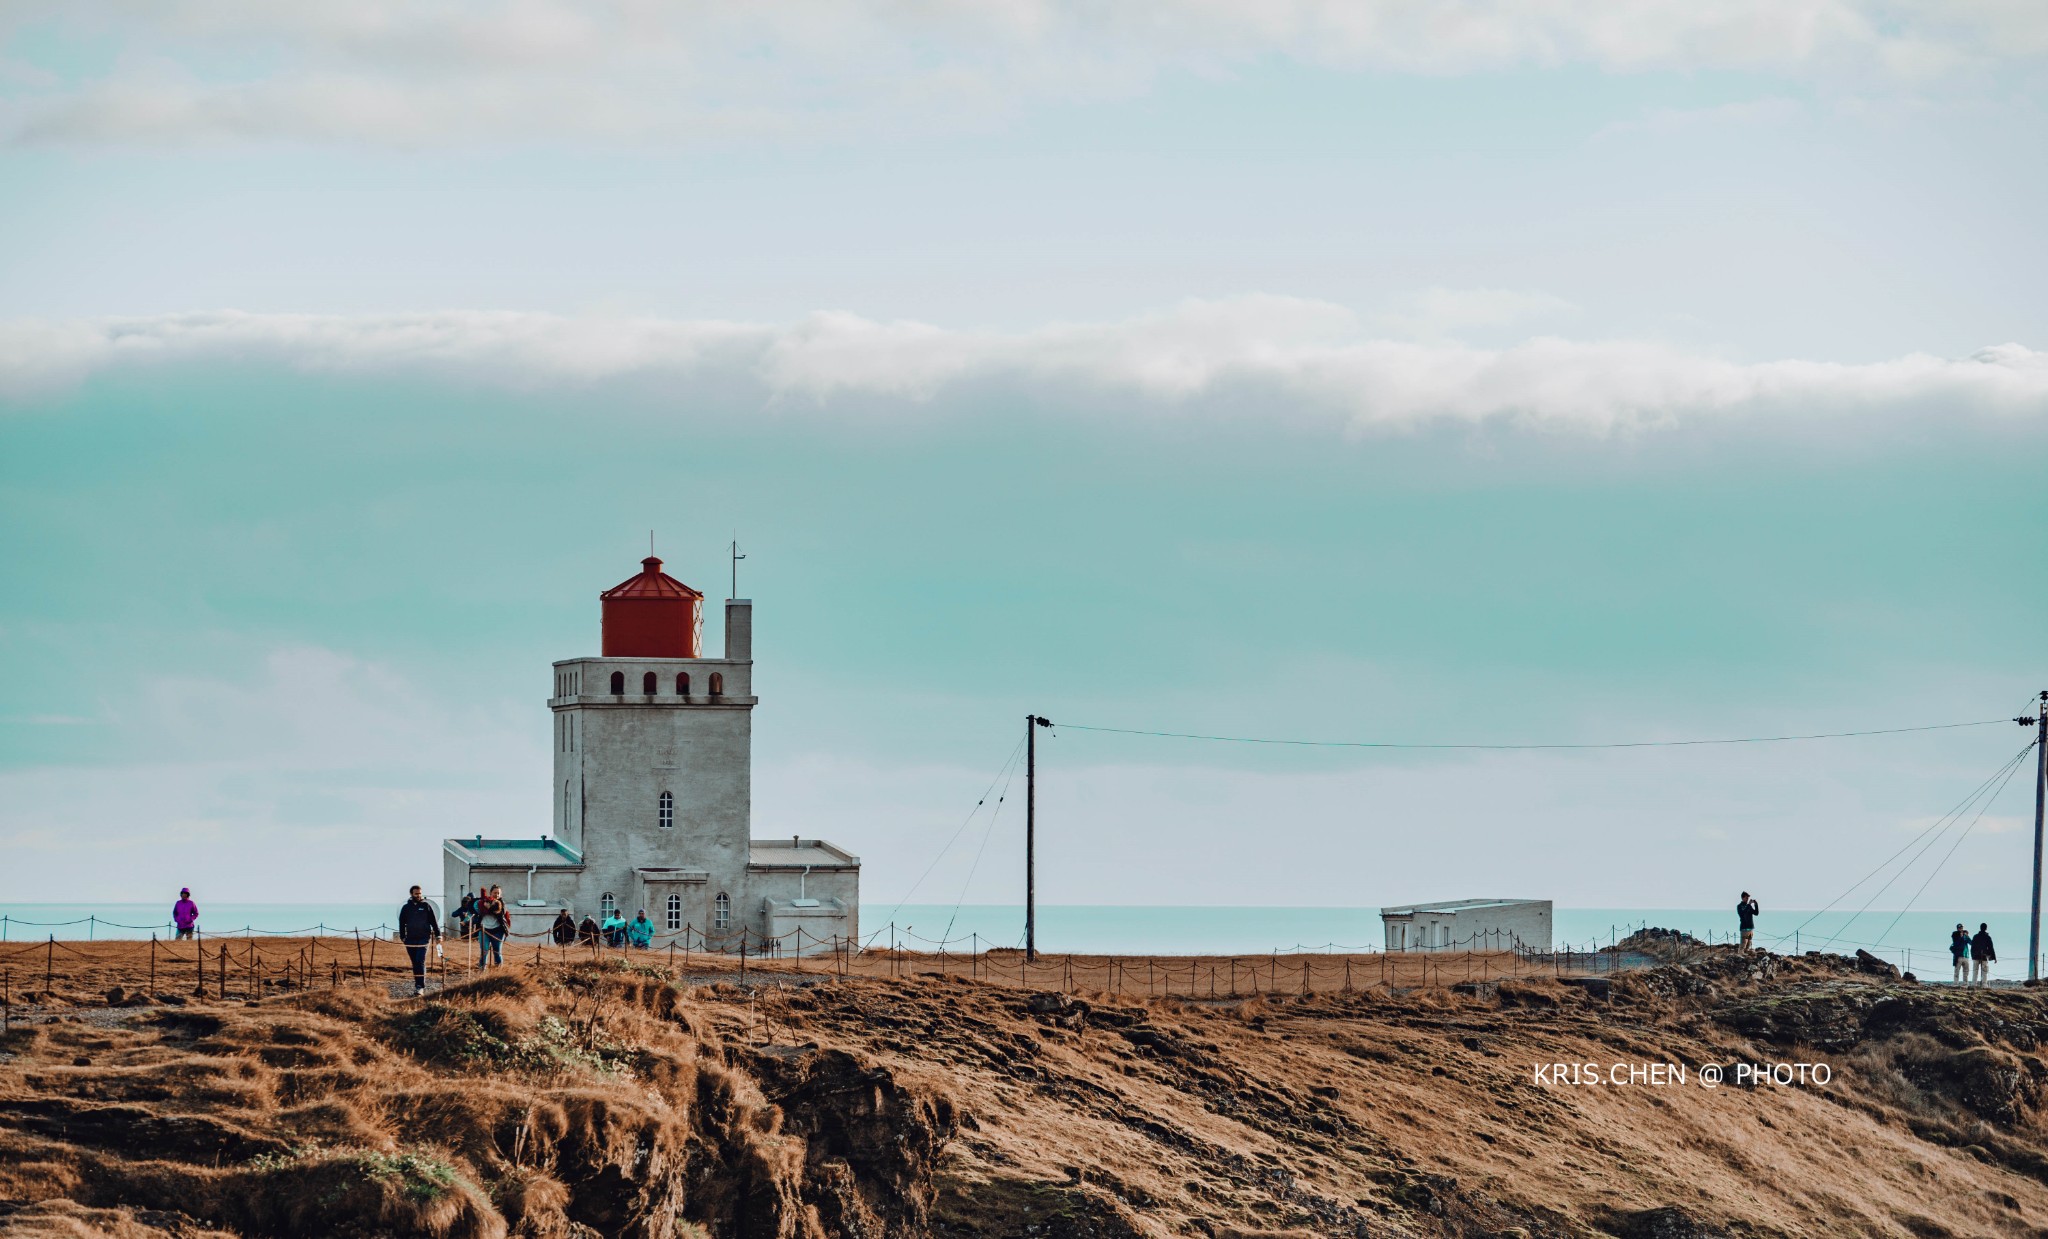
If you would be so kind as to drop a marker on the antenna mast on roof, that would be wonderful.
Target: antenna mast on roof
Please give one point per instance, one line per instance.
(736, 558)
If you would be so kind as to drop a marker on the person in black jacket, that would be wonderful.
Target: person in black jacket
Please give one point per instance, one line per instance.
(586, 933)
(1982, 952)
(418, 928)
(564, 928)
(1745, 917)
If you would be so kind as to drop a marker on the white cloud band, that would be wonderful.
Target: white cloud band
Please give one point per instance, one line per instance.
(424, 72)
(1275, 356)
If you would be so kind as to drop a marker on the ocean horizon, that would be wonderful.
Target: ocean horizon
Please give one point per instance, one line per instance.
(1915, 940)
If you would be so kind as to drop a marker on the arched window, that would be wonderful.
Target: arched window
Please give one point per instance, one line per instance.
(647, 683)
(675, 911)
(667, 817)
(717, 684)
(618, 683)
(607, 906)
(682, 683)
(721, 912)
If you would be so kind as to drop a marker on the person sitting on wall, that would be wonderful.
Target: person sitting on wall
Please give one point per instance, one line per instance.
(564, 930)
(614, 928)
(641, 932)
(586, 933)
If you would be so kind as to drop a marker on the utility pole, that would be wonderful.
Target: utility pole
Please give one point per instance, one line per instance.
(1032, 723)
(2040, 725)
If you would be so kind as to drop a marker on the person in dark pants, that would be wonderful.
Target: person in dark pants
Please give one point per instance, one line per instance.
(491, 927)
(185, 914)
(1959, 952)
(1745, 917)
(418, 929)
(1982, 952)
(564, 931)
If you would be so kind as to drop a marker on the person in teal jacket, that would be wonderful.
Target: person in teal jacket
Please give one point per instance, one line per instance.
(641, 932)
(614, 928)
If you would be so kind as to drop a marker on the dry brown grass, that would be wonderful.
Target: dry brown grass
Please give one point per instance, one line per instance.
(625, 1099)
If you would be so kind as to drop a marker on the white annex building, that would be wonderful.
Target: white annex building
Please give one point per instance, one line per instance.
(653, 794)
(1469, 925)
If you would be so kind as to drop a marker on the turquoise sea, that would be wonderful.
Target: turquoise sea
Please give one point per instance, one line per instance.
(1916, 940)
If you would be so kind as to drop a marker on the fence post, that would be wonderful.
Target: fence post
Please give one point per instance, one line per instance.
(152, 963)
(50, 968)
(974, 955)
(743, 957)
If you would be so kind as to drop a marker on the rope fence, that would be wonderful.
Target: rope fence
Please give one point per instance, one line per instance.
(254, 965)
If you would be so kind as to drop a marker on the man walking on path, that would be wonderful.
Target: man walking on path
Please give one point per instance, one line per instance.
(1745, 916)
(418, 928)
(185, 913)
(1959, 951)
(490, 927)
(1982, 953)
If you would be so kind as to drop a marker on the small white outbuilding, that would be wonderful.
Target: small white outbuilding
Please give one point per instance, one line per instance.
(1468, 925)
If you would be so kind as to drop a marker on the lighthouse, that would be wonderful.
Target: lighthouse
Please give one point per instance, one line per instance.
(652, 794)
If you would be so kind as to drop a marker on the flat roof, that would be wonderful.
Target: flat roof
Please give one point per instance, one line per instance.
(798, 853)
(480, 851)
(1443, 907)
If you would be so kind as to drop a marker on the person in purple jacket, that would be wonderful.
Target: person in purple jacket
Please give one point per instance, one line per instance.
(185, 913)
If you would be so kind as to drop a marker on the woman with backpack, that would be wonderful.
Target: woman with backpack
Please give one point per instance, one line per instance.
(491, 927)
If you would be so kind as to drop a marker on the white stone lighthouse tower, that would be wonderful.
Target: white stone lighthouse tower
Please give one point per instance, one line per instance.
(652, 793)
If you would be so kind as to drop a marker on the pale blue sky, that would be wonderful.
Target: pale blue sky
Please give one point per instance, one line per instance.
(1590, 377)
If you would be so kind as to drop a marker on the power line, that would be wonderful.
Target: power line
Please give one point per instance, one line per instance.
(1623, 744)
(1981, 810)
(1950, 819)
(987, 833)
(1007, 767)
(1936, 828)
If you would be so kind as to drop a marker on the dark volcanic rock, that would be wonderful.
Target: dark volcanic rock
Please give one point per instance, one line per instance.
(1668, 1222)
(870, 1143)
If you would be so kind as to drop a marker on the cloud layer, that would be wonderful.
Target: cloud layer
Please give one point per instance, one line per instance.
(1264, 356)
(426, 72)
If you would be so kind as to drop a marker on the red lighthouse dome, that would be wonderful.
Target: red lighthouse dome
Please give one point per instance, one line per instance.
(652, 615)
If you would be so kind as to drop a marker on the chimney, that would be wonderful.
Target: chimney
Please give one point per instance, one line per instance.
(739, 630)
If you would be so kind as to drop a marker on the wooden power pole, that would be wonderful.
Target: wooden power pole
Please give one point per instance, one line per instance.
(2040, 724)
(1032, 723)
